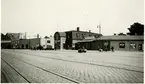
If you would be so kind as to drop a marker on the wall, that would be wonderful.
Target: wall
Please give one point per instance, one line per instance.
(97, 44)
(68, 42)
(15, 44)
(52, 42)
(127, 45)
(6, 44)
(62, 42)
(57, 40)
(44, 42)
(33, 42)
(23, 43)
(77, 35)
(74, 43)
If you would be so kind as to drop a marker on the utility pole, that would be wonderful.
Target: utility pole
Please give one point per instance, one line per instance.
(29, 43)
(99, 26)
(25, 35)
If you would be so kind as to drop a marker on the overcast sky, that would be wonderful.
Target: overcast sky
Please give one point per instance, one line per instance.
(48, 16)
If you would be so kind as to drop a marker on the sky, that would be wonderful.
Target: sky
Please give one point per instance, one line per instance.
(45, 17)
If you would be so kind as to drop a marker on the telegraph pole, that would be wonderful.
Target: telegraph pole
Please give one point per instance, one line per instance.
(99, 26)
(25, 35)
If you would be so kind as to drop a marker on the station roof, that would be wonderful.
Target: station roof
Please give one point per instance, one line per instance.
(116, 38)
(121, 38)
(86, 40)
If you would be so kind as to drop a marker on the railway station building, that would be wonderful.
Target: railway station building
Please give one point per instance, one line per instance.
(121, 43)
(59, 40)
(68, 39)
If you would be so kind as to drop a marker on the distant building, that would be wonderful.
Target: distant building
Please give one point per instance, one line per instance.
(11, 38)
(33, 42)
(51, 41)
(6, 44)
(68, 39)
(47, 42)
(16, 36)
(123, 43)
(5, 41)
(23, 43)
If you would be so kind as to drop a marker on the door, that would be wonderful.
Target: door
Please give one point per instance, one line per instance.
(140, 48)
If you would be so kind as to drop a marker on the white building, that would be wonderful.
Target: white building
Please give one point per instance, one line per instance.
(47, 42)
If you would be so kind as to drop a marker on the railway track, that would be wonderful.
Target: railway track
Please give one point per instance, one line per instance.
(54, 73)
(83, 62)
(15, 70)
(75, 80)
(92, 52)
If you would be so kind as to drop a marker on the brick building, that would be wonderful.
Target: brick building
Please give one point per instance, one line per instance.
(68, 39)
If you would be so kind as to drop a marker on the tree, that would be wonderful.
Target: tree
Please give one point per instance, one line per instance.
(114, 34)
(121, 34)
(2, 36)
(136, 29)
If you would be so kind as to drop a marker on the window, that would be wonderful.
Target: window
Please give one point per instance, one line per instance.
(106, 43)
(77, 35)
(48, 41)
(49, 46)
(121, 45)
(133, 45)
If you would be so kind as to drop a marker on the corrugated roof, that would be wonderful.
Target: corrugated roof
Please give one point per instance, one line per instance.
(121, 38)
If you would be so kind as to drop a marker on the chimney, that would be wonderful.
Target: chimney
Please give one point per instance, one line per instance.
(89, 30)
(78, 29)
